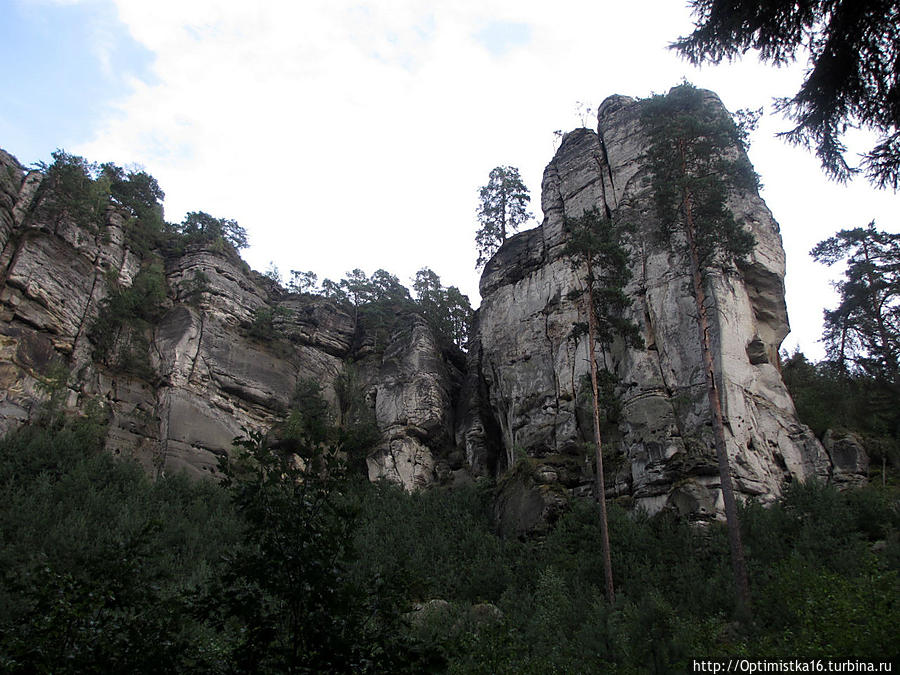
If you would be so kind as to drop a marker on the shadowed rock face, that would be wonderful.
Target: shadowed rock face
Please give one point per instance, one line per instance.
(209, 378)
(662, 449)
(519, 396)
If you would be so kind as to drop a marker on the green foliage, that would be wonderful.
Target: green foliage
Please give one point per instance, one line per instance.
(380, 303)
(696, 156)
(597, 243)
(357, 428)
(303, 282)
(851, 81)
(447, 310)
(96, 561)
(195, 287)
(80, 192)
(120, 331)
(201, 228)
(138, 193)
(292, 567)
(502, 209)
(273, 273)
(285, 598)
(69, 192)
(862, 334)
(695, 160)
(827, 396)
(263, 324)
(438, 543)
(609, 401)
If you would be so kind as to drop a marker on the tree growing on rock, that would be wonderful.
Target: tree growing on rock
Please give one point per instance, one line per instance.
(696, 157)
(502, 209)
(852, 79)
(446, 309)
(202, 227)
(69, 192)
(303, 282)
(595, 245)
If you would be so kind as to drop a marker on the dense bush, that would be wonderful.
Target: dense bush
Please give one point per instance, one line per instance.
(294, 566)
(97, 561)
(120, 332)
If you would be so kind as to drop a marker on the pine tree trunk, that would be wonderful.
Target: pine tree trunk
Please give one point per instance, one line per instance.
(742, 585)
(601, 485)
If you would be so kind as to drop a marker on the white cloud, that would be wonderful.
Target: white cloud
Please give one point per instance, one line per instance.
(347, 135)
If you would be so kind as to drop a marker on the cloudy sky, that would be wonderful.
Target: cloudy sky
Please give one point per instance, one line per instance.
(356, 134)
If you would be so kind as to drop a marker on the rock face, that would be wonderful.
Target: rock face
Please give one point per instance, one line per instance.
(208, 376)
(849, 460)
(517, 400)
(532, 368)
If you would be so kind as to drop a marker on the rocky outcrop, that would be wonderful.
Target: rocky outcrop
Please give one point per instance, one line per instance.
(849, 459)
(208, 378)
(413, 388)
(532, 366)
(516, 400)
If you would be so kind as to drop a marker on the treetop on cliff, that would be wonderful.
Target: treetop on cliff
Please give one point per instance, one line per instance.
(502, 209)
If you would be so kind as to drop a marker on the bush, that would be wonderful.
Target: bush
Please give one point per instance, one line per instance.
(120, 331)
(97, 561)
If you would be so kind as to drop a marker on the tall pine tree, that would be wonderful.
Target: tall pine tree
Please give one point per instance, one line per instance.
(696, 157)
(595, 246)
(502, 209)
(862, 333)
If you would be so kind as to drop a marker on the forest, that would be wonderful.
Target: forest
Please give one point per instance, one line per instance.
(296, 563)
(293, 561)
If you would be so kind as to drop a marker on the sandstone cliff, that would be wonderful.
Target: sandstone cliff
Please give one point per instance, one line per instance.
(208, 375)
(532, 367)
(519, 396)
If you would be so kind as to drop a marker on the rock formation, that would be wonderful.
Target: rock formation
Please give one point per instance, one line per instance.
(533, 367)
(208, 377)
(518, 396)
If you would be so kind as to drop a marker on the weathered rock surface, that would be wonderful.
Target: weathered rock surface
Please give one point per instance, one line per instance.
(413, 389)
(518, 394)
(532, 368)
(209, 378)
(849, 459)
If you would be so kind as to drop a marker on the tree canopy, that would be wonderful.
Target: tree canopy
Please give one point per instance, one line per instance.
(863, 332)
(204, 227)
(447, 309)
(852, 79)
(692, 153)
(502, 209)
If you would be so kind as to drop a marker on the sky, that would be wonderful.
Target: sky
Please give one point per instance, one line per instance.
(356, 134)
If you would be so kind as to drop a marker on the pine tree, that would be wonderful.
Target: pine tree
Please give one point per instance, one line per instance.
(595, 244)
(503, 209)
(863, 332)
(696, 155)
(446, 309)
(852, 79)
